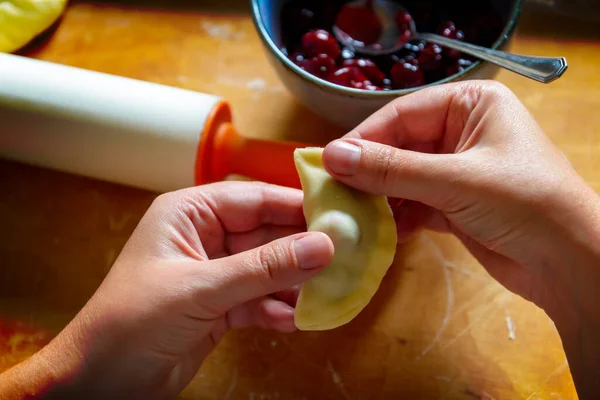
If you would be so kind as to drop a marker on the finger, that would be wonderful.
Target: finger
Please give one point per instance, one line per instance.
(239, 242)
(426, 119)
(283, 263)
(265, 312)
(288, 296)
(240, 206)
(380, 169)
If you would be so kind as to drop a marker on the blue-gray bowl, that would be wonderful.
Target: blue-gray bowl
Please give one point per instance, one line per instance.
(347, 107)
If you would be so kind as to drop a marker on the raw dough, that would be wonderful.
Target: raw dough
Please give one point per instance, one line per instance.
(22, 20)
(363, 231)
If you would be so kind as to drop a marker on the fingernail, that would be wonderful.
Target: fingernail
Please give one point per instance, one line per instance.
(342, 157)
(312, 251)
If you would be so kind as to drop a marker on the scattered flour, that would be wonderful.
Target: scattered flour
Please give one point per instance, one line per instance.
(512, 329)
(221, 31)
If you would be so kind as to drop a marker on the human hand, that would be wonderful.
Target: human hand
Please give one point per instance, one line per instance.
(475, 157)
(471, 160)
(200, 262)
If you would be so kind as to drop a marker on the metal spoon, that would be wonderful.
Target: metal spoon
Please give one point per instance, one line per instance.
(541, 69)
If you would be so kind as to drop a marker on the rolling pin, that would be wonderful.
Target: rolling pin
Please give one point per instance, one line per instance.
(127, 131)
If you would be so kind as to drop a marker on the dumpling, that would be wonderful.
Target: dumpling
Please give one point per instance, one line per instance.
(363, 232)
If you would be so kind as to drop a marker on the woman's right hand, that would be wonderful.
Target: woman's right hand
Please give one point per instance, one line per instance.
(471, 160)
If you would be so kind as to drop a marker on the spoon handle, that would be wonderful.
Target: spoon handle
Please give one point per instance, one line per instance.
(541, 69)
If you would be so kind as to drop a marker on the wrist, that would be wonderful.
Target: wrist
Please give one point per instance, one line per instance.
(571, 286)
(573, 307)
(96, 358)
(48, 374)
(572, 270)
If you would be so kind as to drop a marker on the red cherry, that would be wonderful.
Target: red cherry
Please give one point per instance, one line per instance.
(301, 60)
(360, 23)
(403, 19)
(320, 42)
(458, 66)
(412, 47)
(347, 76)
(307, 65)
(348, 54)
(323, 65)
(367, 67)
(410, 59)
(360, 85)
(366, 85)
(458, 35)
(453, 69)
(448, 29)
(297, 57)
(405, 37)
(405, 75)
(431, 57)
(373, 88)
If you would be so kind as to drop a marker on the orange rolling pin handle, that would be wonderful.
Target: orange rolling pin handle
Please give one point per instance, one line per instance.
(222, 152)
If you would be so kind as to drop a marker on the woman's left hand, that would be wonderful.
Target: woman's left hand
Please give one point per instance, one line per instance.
(201, 261)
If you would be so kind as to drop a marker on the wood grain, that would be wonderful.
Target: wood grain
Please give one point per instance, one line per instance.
(439, 326)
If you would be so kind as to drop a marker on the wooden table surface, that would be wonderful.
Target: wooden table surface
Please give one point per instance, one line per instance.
(439, 327)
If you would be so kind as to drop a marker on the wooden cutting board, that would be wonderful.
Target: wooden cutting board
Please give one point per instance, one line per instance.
(439, 328)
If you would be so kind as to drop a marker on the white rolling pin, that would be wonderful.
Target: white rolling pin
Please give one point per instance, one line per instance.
(102, 126)
(127, 131)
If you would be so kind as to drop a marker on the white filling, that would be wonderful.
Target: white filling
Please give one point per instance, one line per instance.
(345, 235)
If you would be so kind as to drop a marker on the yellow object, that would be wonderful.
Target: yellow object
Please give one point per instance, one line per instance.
(22, 20)
(363, 231)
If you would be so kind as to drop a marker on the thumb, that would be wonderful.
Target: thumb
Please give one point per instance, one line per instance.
(385, 170)
(273, 267)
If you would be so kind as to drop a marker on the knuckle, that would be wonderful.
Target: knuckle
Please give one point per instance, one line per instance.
(466, 96)
(497, 93)
(487, 86)
(496, 87)
(271, 260)
(470, 93)
(175, 198)
(264, 213)
(385, 166)
(163, 200)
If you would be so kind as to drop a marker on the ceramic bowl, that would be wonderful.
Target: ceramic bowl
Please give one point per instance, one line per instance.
(347, 107)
